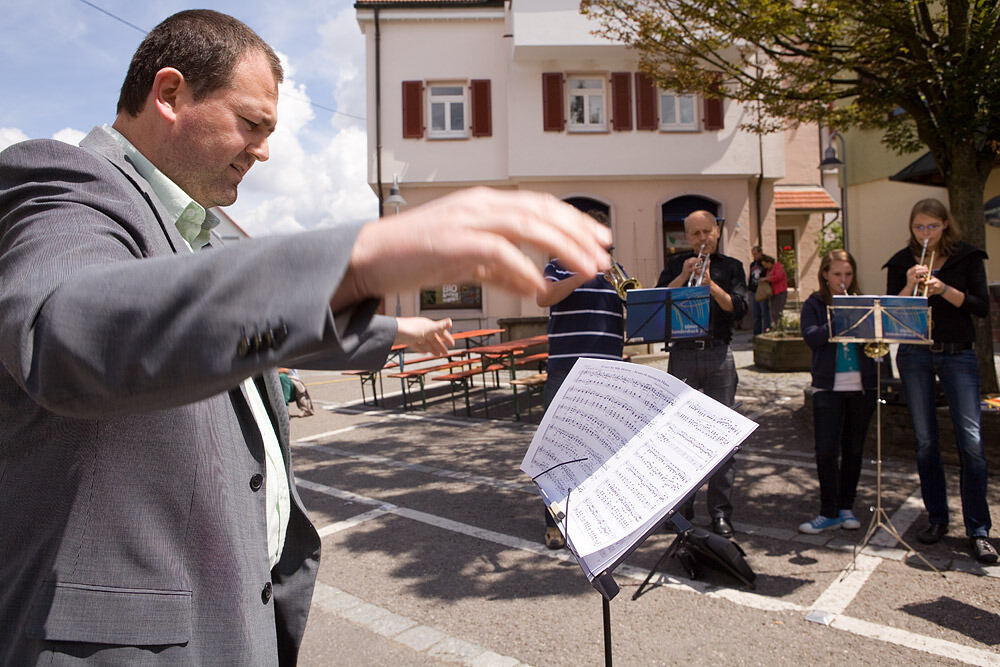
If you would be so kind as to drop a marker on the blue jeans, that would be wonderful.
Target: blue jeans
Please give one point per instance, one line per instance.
(840, 424)
(959, 374)
(761, 315)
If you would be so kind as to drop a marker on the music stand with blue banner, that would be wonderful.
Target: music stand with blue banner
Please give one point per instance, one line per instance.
(646, 314)
(877, 321)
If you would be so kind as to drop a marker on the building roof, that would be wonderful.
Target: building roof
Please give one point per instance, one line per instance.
(396, 4)
(803, 199)
(923, 170)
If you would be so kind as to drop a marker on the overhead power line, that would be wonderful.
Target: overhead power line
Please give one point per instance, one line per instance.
(144, 31)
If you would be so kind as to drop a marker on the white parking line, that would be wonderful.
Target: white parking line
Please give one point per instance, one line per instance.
(839, 598)
(406, 631)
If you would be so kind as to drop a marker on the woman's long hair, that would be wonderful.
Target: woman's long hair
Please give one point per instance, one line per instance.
(824, 266)
(935, 209)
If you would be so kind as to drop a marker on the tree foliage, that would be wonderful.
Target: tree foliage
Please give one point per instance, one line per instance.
(924, 73)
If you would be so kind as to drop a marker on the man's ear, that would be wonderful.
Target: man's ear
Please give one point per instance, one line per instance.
(167, 86)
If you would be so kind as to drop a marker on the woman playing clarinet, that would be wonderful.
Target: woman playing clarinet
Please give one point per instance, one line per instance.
(954, 280)
(844, 381)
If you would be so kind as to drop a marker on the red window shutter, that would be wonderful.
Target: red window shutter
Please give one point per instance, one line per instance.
(714, 109)
(482, 113)
(553, 116)
(645, 102)
(621, 101)
(413, 109)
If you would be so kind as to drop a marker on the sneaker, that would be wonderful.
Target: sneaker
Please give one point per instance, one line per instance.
(848, 520)
(819, 524)
(983, 550)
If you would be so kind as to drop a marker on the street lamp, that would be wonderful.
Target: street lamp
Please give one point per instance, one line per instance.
(832, 163)
(396, 200)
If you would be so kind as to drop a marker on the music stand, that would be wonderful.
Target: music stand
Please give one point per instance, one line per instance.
(646, 314)
(876, 322)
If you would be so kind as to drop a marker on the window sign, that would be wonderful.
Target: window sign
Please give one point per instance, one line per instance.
(466, 295)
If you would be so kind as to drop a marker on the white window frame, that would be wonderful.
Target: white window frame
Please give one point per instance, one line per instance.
(589, 96)
(448, 100)
(677, 125)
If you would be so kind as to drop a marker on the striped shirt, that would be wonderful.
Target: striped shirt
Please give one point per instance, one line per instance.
(587, 323)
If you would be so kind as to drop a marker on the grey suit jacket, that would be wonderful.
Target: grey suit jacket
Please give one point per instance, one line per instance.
(132, 518)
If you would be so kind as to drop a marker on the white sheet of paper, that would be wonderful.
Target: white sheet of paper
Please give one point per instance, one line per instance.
(624, 443)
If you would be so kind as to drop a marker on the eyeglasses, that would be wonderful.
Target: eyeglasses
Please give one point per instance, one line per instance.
(929, 228)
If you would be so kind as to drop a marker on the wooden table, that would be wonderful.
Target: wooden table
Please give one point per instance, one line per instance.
(476, 337)
(505, 354)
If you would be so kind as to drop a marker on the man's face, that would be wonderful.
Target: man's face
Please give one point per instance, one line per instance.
(702, 229)
(218, 138)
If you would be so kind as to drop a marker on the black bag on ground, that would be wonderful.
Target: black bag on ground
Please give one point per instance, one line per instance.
(700, 549)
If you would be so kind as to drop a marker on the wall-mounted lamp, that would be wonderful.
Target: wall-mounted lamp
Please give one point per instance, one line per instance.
(831, 162)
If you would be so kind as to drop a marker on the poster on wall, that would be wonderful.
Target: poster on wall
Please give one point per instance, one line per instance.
(451, 296)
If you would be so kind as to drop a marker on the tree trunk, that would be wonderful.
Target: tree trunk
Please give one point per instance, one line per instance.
(966, 182)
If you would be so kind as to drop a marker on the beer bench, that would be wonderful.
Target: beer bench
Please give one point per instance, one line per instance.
(373, 378)
(533, 384)
(415, 376)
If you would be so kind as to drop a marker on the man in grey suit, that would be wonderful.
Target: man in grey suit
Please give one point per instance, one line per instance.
(148, 511)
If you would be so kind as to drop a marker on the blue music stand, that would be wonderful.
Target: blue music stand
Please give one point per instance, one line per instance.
(647, 309)
(877, 321)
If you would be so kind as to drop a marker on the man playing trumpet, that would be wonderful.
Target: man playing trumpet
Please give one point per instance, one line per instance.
(708, 365)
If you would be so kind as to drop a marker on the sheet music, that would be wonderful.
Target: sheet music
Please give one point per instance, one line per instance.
(624, 443)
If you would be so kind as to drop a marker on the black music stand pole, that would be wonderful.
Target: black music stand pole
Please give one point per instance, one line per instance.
(606, 609)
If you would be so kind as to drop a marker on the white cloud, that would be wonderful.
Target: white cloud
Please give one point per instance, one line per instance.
(317, 172)
(10, 136)
(69, 135)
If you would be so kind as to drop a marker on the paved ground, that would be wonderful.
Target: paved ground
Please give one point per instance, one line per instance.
(432, 553)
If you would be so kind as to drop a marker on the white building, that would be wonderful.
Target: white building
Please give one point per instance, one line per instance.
(520, 94)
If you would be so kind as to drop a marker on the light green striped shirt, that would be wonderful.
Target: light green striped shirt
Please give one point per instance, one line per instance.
(195, 224)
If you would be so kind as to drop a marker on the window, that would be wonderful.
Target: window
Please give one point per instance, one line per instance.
(586, 105)
(677, 112)
(447, 111)
(787, 254)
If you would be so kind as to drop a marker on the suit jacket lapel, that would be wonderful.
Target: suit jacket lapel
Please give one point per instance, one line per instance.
(104, 145)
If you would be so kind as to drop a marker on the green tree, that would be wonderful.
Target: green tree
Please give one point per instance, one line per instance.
(924, 73)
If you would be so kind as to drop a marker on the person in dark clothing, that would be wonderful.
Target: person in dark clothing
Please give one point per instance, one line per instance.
(708, 365)
(586, 319)
(760, 309)
(844, 381)
(955, 284)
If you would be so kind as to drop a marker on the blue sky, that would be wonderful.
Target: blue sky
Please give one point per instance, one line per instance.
(62, 63)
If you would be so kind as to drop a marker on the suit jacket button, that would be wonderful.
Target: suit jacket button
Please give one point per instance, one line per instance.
(268, 339)
(280, 334)
(243, 347)
(256, 482)
(255, 342)
(265, 595)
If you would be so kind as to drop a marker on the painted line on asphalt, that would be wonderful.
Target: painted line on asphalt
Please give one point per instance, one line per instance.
(839, 594)
(357, 520)
(406, 631)
(838, 621)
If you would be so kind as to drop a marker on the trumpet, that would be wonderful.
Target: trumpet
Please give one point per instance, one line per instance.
(693, 281)
(923, 255)
(619, 280)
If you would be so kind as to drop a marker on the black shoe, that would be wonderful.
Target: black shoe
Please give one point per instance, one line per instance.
(933, 533)
(983, 550)
(721, 526)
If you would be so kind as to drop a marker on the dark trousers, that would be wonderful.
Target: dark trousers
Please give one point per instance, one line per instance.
(713, 372)
(552, 384)
(840, 424)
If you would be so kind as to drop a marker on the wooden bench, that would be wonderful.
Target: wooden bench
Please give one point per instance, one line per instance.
(371, 377)
(465, 380)
(533, 384)
(414, 377)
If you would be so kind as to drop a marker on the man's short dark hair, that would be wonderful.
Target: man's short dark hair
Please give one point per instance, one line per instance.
(203, 45)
